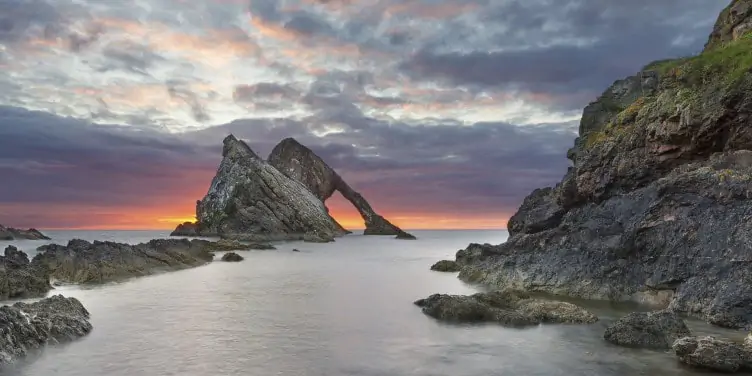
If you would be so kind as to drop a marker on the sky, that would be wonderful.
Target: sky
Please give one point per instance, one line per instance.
(442, 113)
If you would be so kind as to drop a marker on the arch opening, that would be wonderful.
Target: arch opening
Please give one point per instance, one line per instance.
(344, 212)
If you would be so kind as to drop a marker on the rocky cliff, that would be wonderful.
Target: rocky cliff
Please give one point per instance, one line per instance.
(9, 233)
(282, 199)
(303, 165)
(656, 207)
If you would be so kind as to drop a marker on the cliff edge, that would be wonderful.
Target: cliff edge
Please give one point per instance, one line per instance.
(656, 207)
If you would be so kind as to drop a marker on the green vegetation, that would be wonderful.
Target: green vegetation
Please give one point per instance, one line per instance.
(723, 64)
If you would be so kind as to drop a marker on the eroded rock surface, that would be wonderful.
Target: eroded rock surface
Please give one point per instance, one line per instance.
(9, 233)
(54, 320)
(655, 207)
(713, 354)
(647, 330)
(82, 262)
(448, 266)
(19, 279)
(508, 308)
(232, 257)
(303, 165)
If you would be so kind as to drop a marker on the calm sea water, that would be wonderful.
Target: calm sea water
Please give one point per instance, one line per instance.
(331, 310)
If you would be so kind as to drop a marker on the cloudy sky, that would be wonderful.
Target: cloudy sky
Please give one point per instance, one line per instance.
(443, 113)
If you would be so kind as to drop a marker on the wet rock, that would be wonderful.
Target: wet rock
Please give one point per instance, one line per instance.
(295, 250)
(402, 235)
(446, 266)
(234, 245)
(508, 308)
(9, 233)
(186, 229)
(82, 262)
(648, 330)
(713, 354)
(232, 257)
(303, 165)
(656, 203)
(52, 320)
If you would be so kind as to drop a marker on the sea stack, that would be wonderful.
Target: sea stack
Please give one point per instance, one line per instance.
(282, 199)
(656, 207)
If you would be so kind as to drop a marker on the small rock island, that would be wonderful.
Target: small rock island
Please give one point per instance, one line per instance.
(9, 233)
(279, 199)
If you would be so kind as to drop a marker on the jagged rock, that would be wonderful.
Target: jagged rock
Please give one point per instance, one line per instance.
(53, 320)
(9, 233)
(251, 200)
(82, 262)
(303, 165)
(402, 235)
(734, 22)
(654, 208)
(20, 279)
(186, 229)
(508, 308)
(232, 257)
(448, 266)
(713, 354)
(648, 330)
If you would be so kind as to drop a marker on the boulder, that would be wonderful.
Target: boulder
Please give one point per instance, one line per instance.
(713, 354)
(648, 330)
(82, 262)
(9, 233)
(53, 320)
(508, 308)
(232, 257)
(654, 208)
(446, 266)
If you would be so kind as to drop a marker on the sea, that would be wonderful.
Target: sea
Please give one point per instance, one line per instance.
(337, 309)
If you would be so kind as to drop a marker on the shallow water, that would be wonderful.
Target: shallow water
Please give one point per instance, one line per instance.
(343, 308)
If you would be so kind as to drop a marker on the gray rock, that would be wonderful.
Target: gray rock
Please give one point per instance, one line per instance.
(82, 262)
(234, 245)
(713, 354)
(448, 266)
(251, 200)
(303, 165)
(648, 330)
(232, 257)
(9, 233)
(508, 308)
(20, 279)
(655, 208)
(53, 320)
(734, 22)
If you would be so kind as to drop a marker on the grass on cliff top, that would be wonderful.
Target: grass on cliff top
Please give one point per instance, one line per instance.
(727, 63)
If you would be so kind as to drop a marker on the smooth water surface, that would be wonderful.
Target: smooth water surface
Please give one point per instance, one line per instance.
(335, 309)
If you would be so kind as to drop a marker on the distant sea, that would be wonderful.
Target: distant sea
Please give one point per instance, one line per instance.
(343, 308)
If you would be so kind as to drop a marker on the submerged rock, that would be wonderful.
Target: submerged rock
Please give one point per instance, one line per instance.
(508, 308)
(655, 206)
(446, 266)
(20, 279)
(713, 354)
(232, 257)
(649, 330)
(303, 165)
(83, 262)
(9, 233)
(52, 320)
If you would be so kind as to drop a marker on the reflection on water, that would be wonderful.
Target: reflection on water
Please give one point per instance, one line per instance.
(333, 309)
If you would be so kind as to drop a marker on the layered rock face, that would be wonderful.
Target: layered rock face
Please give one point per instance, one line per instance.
(53, 320)
(303, 165)
(283, 199)
(9, 233)
(82, 262)
(656, 206)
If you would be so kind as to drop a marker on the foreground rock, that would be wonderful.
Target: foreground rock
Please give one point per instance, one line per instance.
(656, 206)
(508, 308)
(303, 165)
(9, 233)
(446, 266)
(249, 199)
(82, 262)
(52, 321)
(647, 330)
(713, 354)
(19, 279)
(232, 257)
